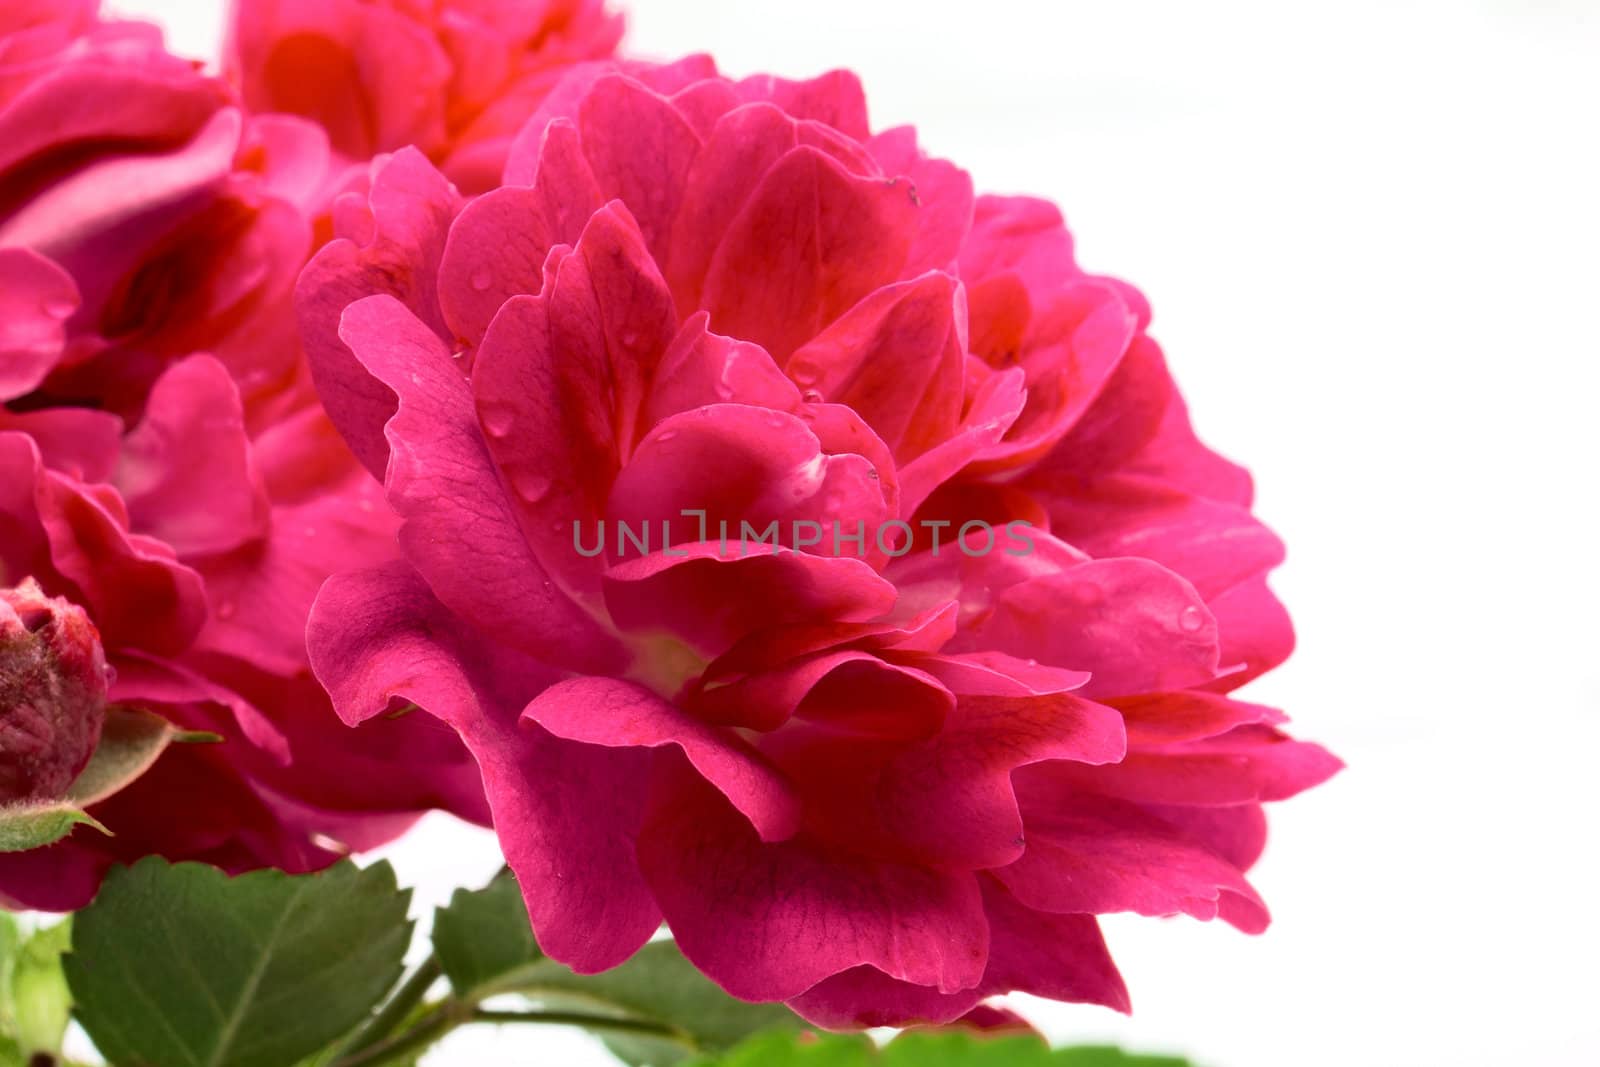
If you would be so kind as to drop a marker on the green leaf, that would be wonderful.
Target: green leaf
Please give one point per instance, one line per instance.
(182, 966)
(657, 985)
(130, 743)
(802, 1050)
(486, 947)
(27, 826)
(10, 943)
(1111, 1057)
(483, 939)
(923, 1048)
(957, 1048)
(41, 1002)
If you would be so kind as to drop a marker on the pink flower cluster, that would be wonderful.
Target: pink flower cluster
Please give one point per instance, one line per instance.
(879, 789)
(312, 376)
(164, 464)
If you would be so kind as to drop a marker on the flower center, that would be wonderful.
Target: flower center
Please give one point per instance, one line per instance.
(665, 665)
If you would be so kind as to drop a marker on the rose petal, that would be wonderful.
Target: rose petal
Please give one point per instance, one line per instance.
(617, 714)
(781, 275)
(785, 916)
(1095, 856)
(36, 299)
(712, 599)
(1133, 624)
(465, 541)
(406, 221)
(567, 814)
(200, 500)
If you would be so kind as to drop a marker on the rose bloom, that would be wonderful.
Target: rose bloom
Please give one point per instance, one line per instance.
(455, 78)
(164, 469)
(879, 784)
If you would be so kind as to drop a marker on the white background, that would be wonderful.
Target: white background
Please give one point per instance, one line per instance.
(1370, 232)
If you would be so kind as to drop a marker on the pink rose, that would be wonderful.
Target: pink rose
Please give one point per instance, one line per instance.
(164, 465)
(181, 224)
(876, 780)
(52, 693)
(456, 78)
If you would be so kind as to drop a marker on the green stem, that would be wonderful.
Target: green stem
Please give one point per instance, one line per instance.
(440, 1020)
(394, 1010)
(612, 1023)
(449, 1014)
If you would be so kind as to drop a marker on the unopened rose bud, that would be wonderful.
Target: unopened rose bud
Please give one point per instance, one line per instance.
(53, 682)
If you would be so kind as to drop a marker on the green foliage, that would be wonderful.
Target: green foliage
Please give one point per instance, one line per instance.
(41, 1003)
(130, 743)
(659, 985)
(486, 946)
(35, 1004)
(949, 1048)
(25, 826)
(483, 938)
(178, 965)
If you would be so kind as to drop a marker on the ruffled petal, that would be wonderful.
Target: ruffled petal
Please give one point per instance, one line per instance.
(833, 912)
(463, 539)
(567, 813)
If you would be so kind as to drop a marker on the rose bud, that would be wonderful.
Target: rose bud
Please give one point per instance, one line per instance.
(53, 681)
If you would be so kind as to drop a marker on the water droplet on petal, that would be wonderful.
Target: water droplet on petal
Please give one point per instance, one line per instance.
(1190, 619)
(60, 309)
(811, 396)
(663, 438)
(227, 609)
(498, 422)
(530, 486)
(481, 278)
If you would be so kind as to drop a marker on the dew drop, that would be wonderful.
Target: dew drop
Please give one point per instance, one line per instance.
(227, 609)
(663, 438)
(498, 422)
(60, 309)
(481, 278)
(1190, 619)
(811, 396)
(530, 486)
